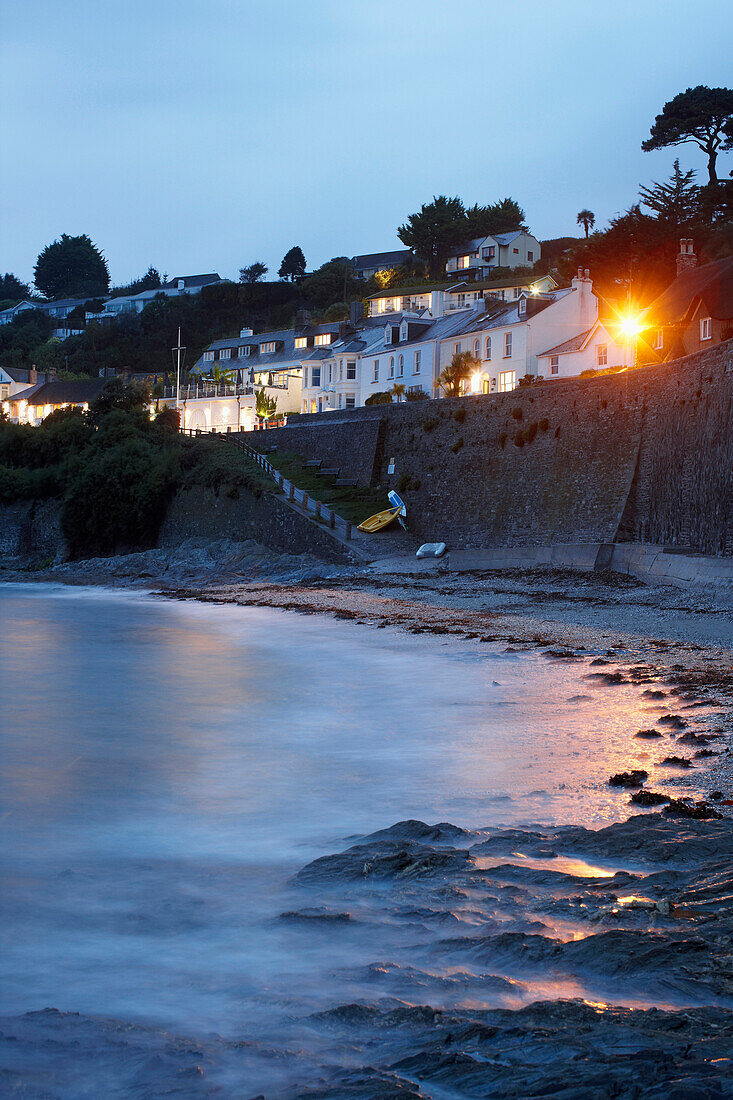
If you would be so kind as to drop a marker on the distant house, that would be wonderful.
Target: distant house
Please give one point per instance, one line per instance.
(372, 262)
(128, 304)
(462, 295)
(9, 314)
(598, 348)
(14, 379)
(34, 403)
(693, 313)
(476, 259)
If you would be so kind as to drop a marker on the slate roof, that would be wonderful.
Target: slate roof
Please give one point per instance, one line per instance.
(193, 280)
(575, 343)
(22, 374)
(59, 393)
(712, 282)
(500, 284)
(404, 291)
(382, 259)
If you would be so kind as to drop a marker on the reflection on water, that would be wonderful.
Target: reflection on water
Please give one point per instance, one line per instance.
(167, 766)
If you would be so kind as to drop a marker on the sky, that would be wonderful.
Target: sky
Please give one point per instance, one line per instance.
(203, 135)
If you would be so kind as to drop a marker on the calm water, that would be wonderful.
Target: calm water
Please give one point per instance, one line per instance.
(167, 766)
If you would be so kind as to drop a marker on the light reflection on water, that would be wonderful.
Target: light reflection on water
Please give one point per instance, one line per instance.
(167, 766)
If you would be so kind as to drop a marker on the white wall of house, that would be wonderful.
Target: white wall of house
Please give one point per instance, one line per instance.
(601, 350)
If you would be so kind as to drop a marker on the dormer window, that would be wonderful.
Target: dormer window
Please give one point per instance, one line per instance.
(266, 349)
(301, 341)
(225, 353)
(403, 330)
(245, 350)
(323, 339)
(208, 356)
(706, 328)
(522, 307)
(388, 334)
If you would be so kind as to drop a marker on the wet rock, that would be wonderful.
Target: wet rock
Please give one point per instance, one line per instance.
(676, 762)
(648, 735)
(648, 798)
(673, 721)
(634, 778)
(309, 916)
(385, 860)
(698, 811)
(417, 830)
(608, 677)
(650, 693)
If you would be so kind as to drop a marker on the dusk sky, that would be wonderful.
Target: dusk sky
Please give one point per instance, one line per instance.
(202, 136)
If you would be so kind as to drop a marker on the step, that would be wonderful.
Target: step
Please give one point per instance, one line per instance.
(312, 464)
(329, 471)
(346, 483)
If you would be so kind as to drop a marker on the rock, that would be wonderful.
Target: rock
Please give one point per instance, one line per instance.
(648, 735)
(634, 778)
(676, 762)
(698, 811)
(648, 798)
(673, 721)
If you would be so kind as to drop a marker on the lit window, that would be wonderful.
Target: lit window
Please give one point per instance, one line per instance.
(522, 307)
(350, 370)
(208, 356)
(554, 364)
(706, 328)
(507, 345)
(488, 253)
(375, 371)
(487, 348)
(225, 353)
(515, 251)
(416, 365)
(659, 340)
(265, 349)
(245, 350)
(323, 338)
(350, 401)
(397, 304)
(400, 365)
(602, 354)
(507, 381)
(316, 377)
(476, 349)
(463, 261)
(391, 367)
(301, 341)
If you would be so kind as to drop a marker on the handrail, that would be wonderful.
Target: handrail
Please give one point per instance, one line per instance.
(291, 491)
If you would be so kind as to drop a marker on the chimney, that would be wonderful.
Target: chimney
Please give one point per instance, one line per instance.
(245, 332)
(686, 258)
(437, 303)
(356, 312)
(32, 376)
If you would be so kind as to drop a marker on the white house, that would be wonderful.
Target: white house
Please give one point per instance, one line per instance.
(598, 348)
(477, 258)
(9, 314)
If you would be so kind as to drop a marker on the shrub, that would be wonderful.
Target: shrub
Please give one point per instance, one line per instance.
(502, 440)
(430, 423)
(517, 413)
(457, 445)
(543, 424)
(459, 415)
(379, 398)
(416, 395)
(416, 484)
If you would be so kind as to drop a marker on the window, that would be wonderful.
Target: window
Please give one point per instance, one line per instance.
(706, 328)
(530, 255)
(350, 400)
(301, 341)
(375, 371)
(341, 396)
(225, 353)
(244, 350)
(391, 367)
(488, 253)
(507, 381)
(208, 356)
(507, 345)
(305, 378)
(330, 372)
(554, 364)
(416, 363)
(517, 291)
(487, 348)
(350, 370)
(322, 339)
(341, 370)
(456, 349)
(476, 349)
(522, 307)
(659, 340)
(388, 334)
(602, 355)
(316, 377)
(265, 349)
(400, 365)
(314, 405)
(463, 262)
(397, 304)
(515, 251)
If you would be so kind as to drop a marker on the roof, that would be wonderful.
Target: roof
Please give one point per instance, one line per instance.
(379, 259)
(712, 282)
(192, 280)
(62, 303)
(507, 238)
(22, 374)
(404, 291)
(500, 284)
(575, 343)
(59, 393)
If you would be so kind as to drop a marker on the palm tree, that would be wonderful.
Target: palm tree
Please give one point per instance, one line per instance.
(587, 219)
(221, 374)
(265, 406)
(398, 391)
(451, 378)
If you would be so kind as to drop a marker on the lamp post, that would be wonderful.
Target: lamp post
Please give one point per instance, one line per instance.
(179, 356)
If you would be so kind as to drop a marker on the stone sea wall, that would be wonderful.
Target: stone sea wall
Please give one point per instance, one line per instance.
(643, 456)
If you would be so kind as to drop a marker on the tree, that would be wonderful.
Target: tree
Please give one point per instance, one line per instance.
(11, 287)
(220, 375)
(676, 202)
(398, 391)
(333, 282)
(451, 378)
(265, 406)
(293, 265)
(701, 115)
(498, 217)
(254, 272)
(587, 219)
(434, 231)
(71, 267)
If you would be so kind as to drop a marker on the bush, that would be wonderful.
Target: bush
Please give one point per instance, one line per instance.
(430, 423)
(543, 424)
(459, 415)
(416, 395)
(379, 398)
(457, 445)
(517, 413)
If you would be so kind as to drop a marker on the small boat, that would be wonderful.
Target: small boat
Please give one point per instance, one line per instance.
(379, 521)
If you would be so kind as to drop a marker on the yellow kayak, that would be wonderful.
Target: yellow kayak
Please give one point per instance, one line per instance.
(379, 521)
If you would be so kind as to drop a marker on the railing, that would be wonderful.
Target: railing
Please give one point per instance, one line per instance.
(291, 491)
(219, 389)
